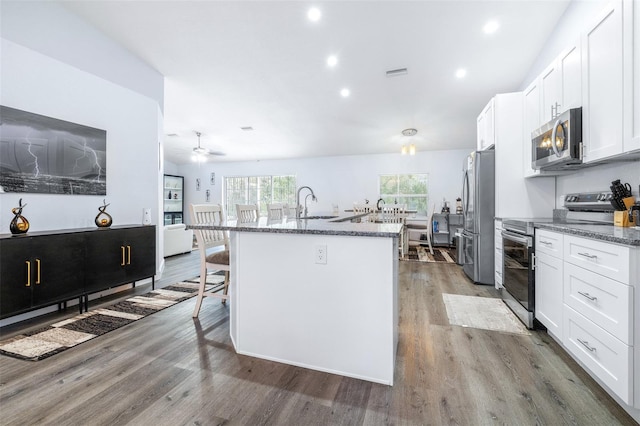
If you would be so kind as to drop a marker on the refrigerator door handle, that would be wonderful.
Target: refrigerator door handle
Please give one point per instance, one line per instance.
(465, 192)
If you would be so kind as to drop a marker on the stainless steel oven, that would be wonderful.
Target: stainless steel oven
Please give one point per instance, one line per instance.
(518, 275)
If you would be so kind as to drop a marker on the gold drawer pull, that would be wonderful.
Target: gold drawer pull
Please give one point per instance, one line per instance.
(586, 345)
(587, 295)
(28, 284)
(122, 263)
(128, 255)
(38, 271)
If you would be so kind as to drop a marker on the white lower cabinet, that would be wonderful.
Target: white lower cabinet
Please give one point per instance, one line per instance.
(548, 306)
(604, 301)
(586, 297)
(606, 357)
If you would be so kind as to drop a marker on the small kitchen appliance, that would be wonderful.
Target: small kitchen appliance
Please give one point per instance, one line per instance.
(557, 145)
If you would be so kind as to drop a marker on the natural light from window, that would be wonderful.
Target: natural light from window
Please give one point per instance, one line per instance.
(410, 189)
(259, 190)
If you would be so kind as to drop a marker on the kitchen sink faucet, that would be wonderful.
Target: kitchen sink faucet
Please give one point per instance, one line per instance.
(298, 206)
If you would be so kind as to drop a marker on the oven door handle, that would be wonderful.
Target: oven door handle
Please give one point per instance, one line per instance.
(523, 239)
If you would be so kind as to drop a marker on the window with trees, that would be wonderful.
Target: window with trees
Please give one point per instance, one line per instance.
(259, 190)
(410, 189)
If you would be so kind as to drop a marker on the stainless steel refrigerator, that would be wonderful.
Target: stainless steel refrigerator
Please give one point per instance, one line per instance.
(478, 204)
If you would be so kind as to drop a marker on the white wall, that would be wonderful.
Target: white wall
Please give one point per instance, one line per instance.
(577, 15)
(76, 91)
(598, 178)
(50, 29)
(338, 180)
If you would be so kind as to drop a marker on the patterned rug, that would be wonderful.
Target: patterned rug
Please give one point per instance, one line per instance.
(440, 254)
(482, 312)
(60, 336)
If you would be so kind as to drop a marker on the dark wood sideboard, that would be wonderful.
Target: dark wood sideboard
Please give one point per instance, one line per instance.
(46, 268)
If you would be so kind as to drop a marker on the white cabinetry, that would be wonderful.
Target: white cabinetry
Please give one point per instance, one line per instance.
(556, 90)
(631, 54)
(498, 255)
(516, 196)
(549, 278)
(486, 127)
(531, 121)
(602, 89)
(598, 312)
(560, 84)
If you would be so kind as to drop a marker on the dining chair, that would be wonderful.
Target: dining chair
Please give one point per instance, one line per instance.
(213, 260)
(275, 211)
(396, 213)
(247, 213)
(364, 208)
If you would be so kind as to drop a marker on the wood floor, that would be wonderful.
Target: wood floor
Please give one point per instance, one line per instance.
(169, 369)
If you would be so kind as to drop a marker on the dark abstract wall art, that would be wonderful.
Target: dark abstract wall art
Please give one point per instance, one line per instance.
(40, 154)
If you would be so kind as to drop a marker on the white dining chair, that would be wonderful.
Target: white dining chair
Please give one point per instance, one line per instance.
(211, 260)
(359, 208)
(275, 211)
(396, 213)
(247, 213)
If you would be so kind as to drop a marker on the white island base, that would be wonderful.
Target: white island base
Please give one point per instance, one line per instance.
(340, 317)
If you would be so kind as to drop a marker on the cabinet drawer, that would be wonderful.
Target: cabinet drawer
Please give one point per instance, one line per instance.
(548, 242)
(604, 301)
(605, 357)
(610, 260)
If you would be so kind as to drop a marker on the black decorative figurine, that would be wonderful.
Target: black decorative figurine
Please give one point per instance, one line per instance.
(104, 219)
(19, 224)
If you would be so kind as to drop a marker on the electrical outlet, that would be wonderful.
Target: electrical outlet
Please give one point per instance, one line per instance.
(321, 254)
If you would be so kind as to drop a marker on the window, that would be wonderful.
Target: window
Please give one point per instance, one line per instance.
(409, 189)
(259, 190)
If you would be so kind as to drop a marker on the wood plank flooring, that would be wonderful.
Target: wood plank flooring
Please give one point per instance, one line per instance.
(169, 369)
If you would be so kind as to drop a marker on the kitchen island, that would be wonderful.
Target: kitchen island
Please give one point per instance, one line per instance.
(316, 293)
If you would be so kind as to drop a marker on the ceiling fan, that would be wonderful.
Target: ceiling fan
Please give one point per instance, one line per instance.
(200, 153)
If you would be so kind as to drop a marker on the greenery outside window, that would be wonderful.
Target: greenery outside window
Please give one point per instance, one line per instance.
(259, 190)
(409, 189)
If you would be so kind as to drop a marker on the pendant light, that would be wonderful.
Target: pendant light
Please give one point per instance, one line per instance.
(411, 149)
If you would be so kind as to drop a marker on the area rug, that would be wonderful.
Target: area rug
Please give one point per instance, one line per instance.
(482, 312)
(60, 336)
(440, 254)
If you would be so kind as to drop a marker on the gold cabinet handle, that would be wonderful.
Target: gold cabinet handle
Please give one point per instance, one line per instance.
(38, 271)
(128, 255)
(122, 263)
(28, 284)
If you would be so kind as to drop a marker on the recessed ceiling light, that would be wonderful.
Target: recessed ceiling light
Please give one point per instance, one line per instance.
(314, 14)
(332, 60)
(490, 27)
(345, 93)
(461, 73)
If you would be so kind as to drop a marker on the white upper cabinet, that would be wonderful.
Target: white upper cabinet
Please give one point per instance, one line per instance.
(486, 127)
(550, 92)
(561, 84)
(602, 88)
(570, 87)
(531, 121)
(631, 51)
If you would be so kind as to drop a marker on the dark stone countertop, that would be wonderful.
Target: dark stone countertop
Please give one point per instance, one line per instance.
(605, 232)
(339, 225)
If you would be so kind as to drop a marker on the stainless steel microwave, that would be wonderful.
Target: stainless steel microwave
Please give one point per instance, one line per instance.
(558, 144)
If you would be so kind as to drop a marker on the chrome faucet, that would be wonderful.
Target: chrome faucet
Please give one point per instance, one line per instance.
(298, 206)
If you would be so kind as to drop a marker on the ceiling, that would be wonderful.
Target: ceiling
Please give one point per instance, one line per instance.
(263, 64)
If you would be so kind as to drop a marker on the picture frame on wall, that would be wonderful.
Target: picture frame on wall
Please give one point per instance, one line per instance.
(197, 184)
(212, 179)
(51, 156)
